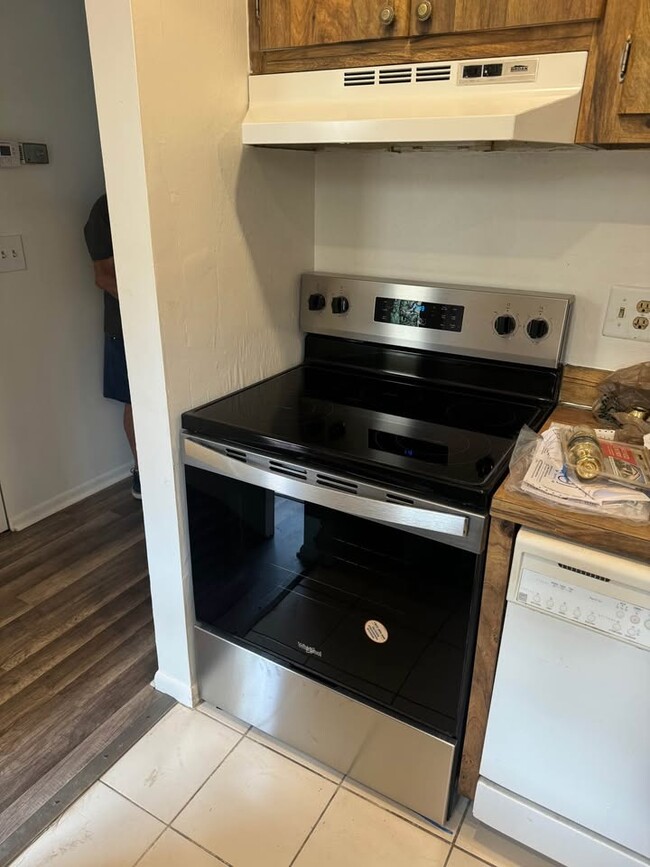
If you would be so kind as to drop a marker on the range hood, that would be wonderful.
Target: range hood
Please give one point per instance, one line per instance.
(495, 99)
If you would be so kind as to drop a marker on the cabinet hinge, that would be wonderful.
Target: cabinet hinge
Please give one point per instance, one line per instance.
(625, 59)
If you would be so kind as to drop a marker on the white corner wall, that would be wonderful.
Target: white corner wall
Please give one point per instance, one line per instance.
(210, 241)
(59, 439)
(575, 221)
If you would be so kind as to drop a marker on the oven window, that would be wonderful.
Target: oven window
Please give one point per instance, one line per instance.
(376, 611)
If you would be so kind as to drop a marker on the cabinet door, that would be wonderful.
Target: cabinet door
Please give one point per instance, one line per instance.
(440, 16)
(635, 93)
(616, 109)
(296, 23)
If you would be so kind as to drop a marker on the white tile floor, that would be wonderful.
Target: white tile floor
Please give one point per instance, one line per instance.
(202, 790)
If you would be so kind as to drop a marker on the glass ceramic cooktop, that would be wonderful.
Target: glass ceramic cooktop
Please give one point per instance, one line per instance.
(395, 426)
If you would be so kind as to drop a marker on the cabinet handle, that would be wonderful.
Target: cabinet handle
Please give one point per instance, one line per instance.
(387, 15)
(625, 59)
(424, 11)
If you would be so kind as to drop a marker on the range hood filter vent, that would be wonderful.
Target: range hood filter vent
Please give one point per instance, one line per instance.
(395, 75)
(356, 77)
(433, 73)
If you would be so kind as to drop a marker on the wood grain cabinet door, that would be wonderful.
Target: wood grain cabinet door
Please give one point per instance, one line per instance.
(616, 102)
(300, 23)
(457, 16)
(635, 92)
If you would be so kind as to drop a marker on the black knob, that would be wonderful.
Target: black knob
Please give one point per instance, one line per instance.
(316, 302)
(505, 324)
(537, 328)
(340, 304)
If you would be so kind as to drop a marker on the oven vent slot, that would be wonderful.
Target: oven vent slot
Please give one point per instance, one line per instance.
(433, 73)
(294, 472)
(583, 572)
(359, 77)
(237, 455)
(402, 501)
(401, 75)
(337, 484)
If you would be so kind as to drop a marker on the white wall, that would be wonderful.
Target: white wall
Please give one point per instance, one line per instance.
(563, 221)
(209, 245)
(59, 438)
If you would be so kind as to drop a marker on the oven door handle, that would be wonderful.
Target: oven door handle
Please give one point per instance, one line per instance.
(200, 455)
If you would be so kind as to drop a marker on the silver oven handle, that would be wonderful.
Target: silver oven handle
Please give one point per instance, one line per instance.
(203, 457)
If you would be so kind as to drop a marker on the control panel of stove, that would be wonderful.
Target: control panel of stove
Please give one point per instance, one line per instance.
(507, 325)
(618, 617)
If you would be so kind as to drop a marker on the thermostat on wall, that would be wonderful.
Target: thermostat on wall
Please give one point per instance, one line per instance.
(9, 154)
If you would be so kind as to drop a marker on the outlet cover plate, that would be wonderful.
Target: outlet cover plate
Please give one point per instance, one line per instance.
(628, 313)
(12, 255)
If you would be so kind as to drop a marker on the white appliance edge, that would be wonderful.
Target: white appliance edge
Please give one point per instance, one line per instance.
(566, 762)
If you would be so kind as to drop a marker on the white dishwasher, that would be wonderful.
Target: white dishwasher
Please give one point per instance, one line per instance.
(566, 763)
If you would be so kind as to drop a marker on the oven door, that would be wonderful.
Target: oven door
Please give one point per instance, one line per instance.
(371, 593)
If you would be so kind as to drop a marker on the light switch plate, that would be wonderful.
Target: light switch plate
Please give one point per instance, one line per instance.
(628, 313)
(12, 255)
(9, 155)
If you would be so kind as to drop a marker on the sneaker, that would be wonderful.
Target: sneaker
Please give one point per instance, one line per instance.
(135, 485)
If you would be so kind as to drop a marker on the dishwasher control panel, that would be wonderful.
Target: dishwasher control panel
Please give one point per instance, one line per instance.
(620, 618)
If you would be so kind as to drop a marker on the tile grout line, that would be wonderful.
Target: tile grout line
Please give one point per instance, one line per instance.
(480, 860)
(231, 726)
(209, 777)
(131, 801)
(316, 823)
(149, 848)
(199, 846)
(295, 761)
(451, 838)
(168, 825)
(246, 736)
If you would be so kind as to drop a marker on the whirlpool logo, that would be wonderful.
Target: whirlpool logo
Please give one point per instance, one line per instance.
(311, 650)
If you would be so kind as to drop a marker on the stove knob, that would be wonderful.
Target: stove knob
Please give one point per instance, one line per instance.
(340, 304)
(316, 302)
(505, 325)
(537, 328)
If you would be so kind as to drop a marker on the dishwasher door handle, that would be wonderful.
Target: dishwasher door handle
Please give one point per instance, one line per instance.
(206, 455)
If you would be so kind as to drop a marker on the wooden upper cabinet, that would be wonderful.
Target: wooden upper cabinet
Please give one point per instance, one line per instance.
(616, 101)
(635, 87)
(302, 23)
(457, 16)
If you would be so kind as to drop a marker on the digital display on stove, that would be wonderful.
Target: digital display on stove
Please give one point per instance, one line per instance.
(419, 314)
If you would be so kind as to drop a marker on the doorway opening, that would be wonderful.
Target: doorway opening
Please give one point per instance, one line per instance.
(77, 649)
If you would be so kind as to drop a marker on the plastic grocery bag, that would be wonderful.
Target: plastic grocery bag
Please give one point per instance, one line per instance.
(620, 393)
(537, 468)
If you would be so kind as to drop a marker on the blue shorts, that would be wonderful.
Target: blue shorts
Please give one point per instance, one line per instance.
(116, 380)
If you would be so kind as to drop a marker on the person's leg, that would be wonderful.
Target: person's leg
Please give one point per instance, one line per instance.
(116, 387)
(130, 431)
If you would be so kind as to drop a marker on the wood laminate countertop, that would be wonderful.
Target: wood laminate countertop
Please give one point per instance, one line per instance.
(614, 535)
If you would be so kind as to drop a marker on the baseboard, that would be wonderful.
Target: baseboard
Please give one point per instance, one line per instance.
(184, 693)
(68, 498)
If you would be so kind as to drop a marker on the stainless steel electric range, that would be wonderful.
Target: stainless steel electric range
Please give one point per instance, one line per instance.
(338, 516)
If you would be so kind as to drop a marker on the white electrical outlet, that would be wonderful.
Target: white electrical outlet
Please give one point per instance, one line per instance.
(12, 255)
(628, 313)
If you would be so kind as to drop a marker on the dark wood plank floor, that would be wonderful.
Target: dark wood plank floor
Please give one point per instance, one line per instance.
(76, 643)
